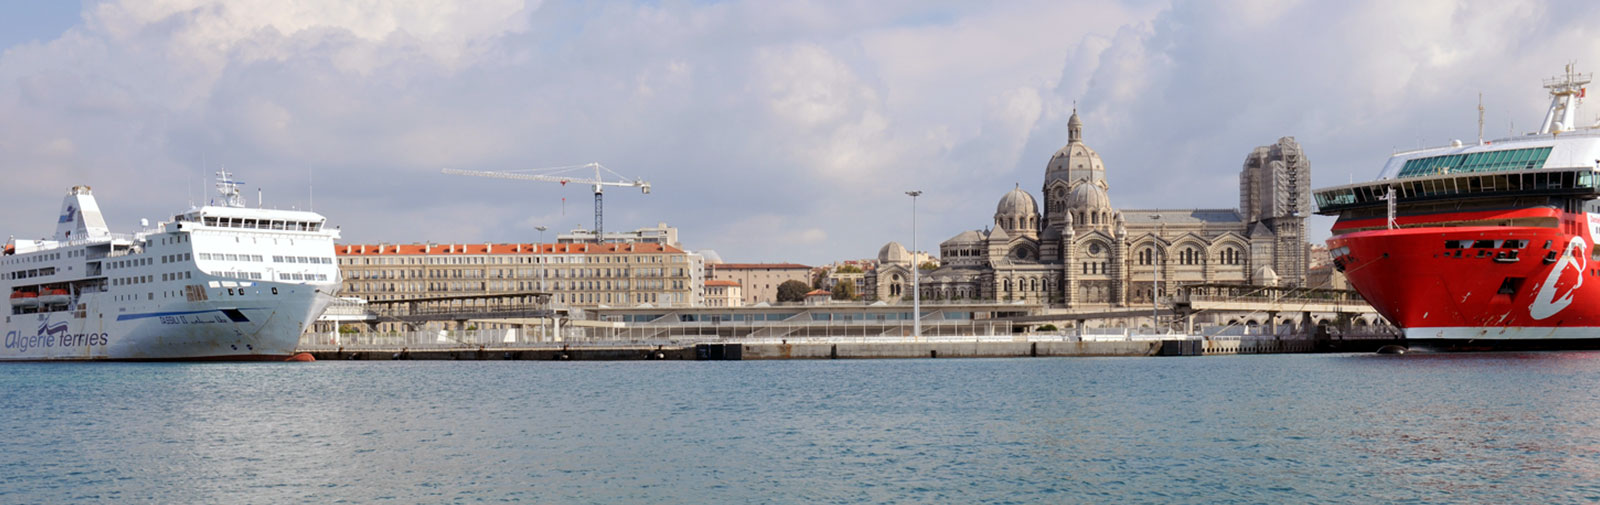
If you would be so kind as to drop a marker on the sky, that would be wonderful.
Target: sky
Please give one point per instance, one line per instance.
(769, 131)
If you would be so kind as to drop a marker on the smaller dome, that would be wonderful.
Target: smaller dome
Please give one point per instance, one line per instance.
(1088, 196)
(1265, 276)
(966, 237)
(1017, 203)
(893, 252)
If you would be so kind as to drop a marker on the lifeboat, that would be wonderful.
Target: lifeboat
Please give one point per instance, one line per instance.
(24, 298)
(54, 297)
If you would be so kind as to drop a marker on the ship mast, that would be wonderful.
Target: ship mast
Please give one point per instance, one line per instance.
(1565, 91)
(228, 188)
(1480, 118)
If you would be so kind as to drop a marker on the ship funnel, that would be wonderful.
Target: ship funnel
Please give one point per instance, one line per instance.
(80, 216)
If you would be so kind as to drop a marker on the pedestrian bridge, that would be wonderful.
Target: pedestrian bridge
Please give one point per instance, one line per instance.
(413, 311)
(1196, 298)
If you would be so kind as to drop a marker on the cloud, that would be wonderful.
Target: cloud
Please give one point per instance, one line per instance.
(770, 131)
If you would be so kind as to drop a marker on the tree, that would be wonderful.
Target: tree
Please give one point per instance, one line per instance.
(848, 269)
(792, 291)
(929, 265)
(1046, 327)
(844, 290)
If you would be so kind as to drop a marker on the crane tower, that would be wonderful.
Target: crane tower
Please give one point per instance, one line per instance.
(556, 174)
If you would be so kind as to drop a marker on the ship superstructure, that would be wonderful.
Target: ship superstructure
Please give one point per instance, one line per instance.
(221, 281)
(1491, 245)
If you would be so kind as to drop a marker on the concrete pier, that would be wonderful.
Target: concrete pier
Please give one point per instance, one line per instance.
(768, 350)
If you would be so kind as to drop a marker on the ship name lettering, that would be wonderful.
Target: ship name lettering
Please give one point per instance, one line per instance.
(16, 340)
(82, 339)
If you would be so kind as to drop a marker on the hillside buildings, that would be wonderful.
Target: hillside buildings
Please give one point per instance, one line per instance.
(658, 234)
(759, 281)
(723, 294)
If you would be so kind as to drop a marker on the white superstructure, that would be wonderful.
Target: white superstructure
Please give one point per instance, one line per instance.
(219, 281)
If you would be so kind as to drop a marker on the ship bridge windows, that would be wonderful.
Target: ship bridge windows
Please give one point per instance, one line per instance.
(262, 224)
(1411, 192)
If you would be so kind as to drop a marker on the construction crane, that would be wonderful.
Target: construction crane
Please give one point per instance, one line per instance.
(556, 174)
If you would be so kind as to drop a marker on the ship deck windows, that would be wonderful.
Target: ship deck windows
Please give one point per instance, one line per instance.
(303, 259)
(302, 277)
(31, 273)
(1492, 161)
(1486, 244)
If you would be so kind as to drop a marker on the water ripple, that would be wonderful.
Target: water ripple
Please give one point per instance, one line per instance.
(1246, 429)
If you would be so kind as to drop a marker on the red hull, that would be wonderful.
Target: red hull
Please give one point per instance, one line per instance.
(1479, 283)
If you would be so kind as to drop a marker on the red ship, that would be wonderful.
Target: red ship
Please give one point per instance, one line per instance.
(1487, 246)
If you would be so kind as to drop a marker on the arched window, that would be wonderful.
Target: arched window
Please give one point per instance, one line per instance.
(1008, 285)
(1033, 284)
(1189, 256)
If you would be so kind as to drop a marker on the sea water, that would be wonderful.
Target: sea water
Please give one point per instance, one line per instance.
(1437, 428)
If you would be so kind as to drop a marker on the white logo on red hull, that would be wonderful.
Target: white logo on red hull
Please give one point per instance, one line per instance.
(1545, 302)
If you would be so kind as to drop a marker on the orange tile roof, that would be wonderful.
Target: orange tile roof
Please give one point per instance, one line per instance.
(459, 249)
(758, 266)
(718, 282)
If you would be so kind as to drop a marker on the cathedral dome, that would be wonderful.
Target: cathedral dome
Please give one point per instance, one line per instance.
(1017, 203)
(1075, 161)
(1075, 157)
(893, 252)
(1088, 196)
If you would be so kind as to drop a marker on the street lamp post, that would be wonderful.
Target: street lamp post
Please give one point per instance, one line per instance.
(541, 229)
(916, 284)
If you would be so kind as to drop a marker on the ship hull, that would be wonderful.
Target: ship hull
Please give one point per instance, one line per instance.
(1481, 287)
(261, 322)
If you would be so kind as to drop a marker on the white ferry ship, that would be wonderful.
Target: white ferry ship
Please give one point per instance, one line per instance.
(216, 282)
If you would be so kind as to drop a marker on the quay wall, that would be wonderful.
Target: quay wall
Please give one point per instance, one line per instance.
(900, 350)
(767, 350)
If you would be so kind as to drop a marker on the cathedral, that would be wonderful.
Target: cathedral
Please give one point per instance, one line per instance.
(1082, 252)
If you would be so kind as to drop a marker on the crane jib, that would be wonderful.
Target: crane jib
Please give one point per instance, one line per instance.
(598, 181)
